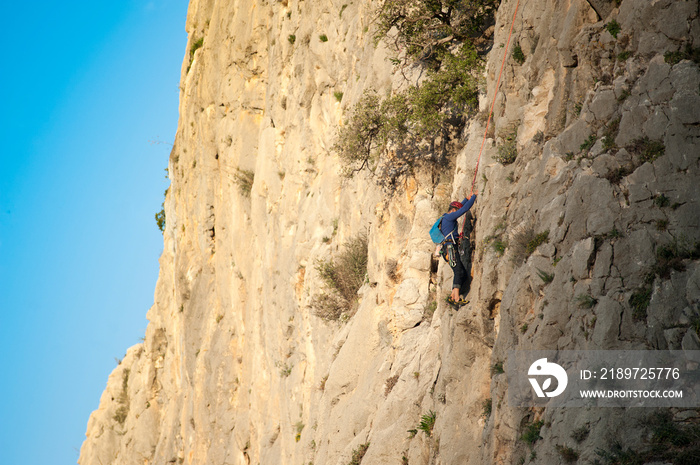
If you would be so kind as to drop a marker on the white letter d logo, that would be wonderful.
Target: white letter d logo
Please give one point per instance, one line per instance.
(542, 368)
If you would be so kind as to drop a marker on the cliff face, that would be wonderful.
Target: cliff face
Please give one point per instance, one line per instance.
(236, 368)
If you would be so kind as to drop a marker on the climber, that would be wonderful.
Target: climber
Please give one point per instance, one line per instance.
(449, 228)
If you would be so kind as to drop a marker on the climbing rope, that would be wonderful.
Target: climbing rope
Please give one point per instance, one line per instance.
(495, 93)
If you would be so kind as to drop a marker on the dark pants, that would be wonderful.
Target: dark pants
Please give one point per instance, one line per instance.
(451, 255)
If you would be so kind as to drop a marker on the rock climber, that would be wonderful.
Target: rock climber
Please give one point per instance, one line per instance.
(449, 228)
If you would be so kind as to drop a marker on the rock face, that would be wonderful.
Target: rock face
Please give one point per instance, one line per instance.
(236, 368)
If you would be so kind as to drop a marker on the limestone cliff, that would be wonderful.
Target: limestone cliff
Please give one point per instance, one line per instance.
(235, 368)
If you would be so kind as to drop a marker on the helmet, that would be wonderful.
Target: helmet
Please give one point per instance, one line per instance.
(456, 205)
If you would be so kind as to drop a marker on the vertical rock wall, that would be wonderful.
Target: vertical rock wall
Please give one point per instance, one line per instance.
(235, 368)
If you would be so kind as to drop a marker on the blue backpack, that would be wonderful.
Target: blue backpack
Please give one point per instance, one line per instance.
(435, 233)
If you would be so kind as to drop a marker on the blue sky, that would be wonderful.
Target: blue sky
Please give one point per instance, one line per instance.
(86, 88)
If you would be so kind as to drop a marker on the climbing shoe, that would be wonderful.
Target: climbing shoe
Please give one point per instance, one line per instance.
(453, 303)
(462, 301)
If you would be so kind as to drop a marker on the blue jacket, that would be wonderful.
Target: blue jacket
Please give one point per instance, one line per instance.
(449, 220)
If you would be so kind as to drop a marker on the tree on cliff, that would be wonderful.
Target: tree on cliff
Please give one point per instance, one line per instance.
(392, 136)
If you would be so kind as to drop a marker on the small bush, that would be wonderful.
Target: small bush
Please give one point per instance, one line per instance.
(323, 38)
(427, 423)
(671, 256)
(538, 138)
(613, 27)
(499, 246)
(518, 55)
(588, 143)
(580, 434)
(523, 328)
(616, 455)
(429, 311)
(647, 150)
(329, 307)
(120, 414)
(390, 383)
(392, 270)
(160, 218)
(526, 242)
(497, 368)
(544, 276)
(196, 45)
(639, 301)
(586, 301)
(343, 276)
(567, 453)
(338, 96)
(624, 56)
(487, 407)
(661, 201)
(123, 399)
(292, 38)
(532, 432)
(508, 151)
(361, 138)
(244, 179)
(689, 53)
(358, 454)
(538, 240)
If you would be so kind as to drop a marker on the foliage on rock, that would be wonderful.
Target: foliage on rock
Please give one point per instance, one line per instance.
(393, 135)
(343, 276)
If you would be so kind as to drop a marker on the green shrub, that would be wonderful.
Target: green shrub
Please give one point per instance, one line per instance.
(160, 218)
(419, 121)
(647, 150)
(358, 454)
(580, 434)
(123, 399)
(343, 276)
(613, 27)
(338, 96)
(487, 407)
(588, 143)
(661, 201)
(323, 38)
(586, 301)
(292, 38)
(499, 246)
(545, 277)
(689, 53)
(329, 307)
(616, 455)
(639, 301)
(518, 55)
(361, 138)
(508, 150)
(427, 423)
(525, 242)
(671, 256)
(624, 56)
(538, 240)
(532, 432)
(567, 453)
(425, 29)
(497, 368)
(196, 45)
